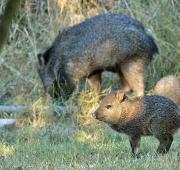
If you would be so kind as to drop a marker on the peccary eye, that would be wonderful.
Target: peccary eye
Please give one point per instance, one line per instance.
(108, 106)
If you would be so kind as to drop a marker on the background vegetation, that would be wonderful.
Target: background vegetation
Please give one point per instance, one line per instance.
(73, 140)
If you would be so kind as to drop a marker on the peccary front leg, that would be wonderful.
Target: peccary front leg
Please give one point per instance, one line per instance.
(135, 145)
(133, 71)
(95, 81)
(165, 144)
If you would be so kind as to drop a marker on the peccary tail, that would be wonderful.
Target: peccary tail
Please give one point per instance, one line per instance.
(153, 46)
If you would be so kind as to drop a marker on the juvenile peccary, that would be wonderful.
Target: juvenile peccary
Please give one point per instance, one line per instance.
(169, 86)
(108, 42)
(148, 115)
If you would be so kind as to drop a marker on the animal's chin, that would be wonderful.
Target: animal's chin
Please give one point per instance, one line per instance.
(101, 118)
(105, 120)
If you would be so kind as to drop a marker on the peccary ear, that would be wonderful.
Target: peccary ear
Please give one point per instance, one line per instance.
(41, 60)
(45, 57)
(120, 95)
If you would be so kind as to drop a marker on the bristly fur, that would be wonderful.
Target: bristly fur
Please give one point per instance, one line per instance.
(109, 42)
(169, 86)
(149, 115)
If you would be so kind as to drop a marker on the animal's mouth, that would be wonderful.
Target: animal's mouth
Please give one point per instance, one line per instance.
(97, 116)
(100, 118)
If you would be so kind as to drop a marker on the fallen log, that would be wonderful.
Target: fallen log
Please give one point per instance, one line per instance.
(23, 109)
(10, 123)
(7, 123)
(11, 109)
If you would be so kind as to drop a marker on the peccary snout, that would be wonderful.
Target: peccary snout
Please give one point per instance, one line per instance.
(97, 115)
(94, 114)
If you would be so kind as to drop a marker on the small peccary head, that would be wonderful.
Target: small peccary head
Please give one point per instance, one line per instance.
(110, 108)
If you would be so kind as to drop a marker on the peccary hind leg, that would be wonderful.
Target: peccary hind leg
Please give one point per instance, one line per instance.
(124, 83)
(135, 145)
(165, 144)
(133, 71)
(95, 81)
(162, 131)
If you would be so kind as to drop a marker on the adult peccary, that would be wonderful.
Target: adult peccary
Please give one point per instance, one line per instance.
(169, 86)
(108, 42)
(148, 115)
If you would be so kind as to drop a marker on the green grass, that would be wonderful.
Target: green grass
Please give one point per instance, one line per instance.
(59, 147)
(73, 140)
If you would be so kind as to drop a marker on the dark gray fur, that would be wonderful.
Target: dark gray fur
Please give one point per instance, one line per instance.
(108, 42)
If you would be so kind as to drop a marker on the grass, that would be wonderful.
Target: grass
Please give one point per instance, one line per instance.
(59, 147)
(62, 147)
(73, 140)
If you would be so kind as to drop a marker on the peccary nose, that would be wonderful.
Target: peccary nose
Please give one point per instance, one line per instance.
(94, 114)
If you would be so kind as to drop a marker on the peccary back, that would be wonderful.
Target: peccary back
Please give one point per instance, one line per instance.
(169, 86)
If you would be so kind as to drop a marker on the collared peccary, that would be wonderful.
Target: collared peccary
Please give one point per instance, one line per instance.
(136, 117)
(169, 86)
(108, 42)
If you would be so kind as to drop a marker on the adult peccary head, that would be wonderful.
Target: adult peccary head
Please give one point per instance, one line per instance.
(52, 74)
(142, 116)
(108, 42)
